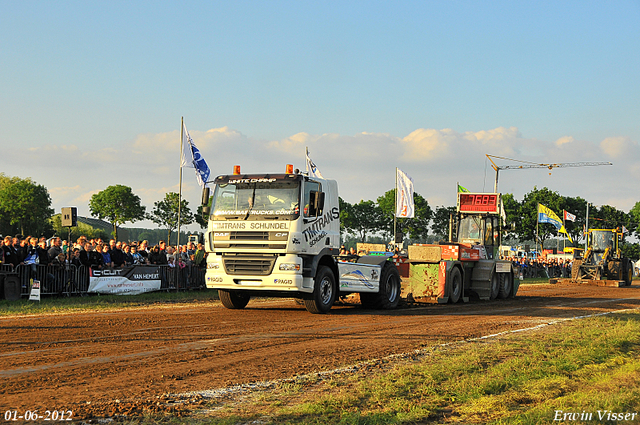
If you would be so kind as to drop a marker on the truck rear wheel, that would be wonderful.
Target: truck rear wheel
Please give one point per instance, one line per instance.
(456, 286)
(628, 272)
(388, 296)
(234, 300)
(324, 292)
(495, 285)
(506, 285)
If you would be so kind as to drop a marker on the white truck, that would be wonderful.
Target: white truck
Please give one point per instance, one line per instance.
(278, 235)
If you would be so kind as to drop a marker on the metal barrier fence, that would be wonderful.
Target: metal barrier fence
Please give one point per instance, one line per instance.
(72, 280)
(536, 271)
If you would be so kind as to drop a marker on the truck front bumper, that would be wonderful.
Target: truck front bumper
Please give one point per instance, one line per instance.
(277, 281)
(273, 282)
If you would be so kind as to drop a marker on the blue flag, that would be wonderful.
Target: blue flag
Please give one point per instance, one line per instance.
(191, 158)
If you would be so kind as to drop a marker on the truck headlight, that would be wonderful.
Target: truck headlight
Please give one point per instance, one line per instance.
(289, 267)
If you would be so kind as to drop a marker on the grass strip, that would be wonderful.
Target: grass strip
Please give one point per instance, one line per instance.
(581, 367)
(97, 302)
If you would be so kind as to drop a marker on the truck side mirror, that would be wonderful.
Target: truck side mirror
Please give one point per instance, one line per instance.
(316, 203)
(205, 203)
(205, 196)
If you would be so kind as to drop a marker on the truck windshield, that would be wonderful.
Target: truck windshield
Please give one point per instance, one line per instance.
(601, 240)
(470, 229)
(254, 201)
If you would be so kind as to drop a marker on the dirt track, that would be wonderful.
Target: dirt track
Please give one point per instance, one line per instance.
(63, 362)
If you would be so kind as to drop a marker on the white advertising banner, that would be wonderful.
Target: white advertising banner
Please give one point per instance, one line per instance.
(126, 281)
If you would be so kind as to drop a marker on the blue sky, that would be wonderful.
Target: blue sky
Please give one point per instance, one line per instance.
(93, 93)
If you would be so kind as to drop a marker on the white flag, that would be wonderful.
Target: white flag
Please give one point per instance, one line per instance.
(404, 195)
(312, 169)
(191, 158)
(568, 216)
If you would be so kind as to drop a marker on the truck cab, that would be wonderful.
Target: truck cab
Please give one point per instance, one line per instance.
(279, 235)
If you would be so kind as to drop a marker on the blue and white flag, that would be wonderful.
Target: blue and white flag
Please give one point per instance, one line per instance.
(191, 158)
(404, 195)
(312, 169)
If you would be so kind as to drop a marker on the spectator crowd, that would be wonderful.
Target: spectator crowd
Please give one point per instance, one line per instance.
(96, 253)
(542, 267)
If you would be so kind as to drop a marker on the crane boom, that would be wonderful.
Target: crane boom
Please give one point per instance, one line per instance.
(528, 165)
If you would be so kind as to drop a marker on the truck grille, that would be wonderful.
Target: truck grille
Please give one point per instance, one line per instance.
(250, 240)
(249, 236)
(256, 265)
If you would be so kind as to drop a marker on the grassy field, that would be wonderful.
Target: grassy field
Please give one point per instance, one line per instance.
(588, 368)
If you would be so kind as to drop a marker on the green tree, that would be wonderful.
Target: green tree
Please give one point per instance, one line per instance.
(440, 222)
(117, 204)
(578, 207)
(634, 214)
(416, 228)
(25, 206)
(345, 211)
(513, 212)
(165, 213)
(363, 218)
(631, 250)
(608, 217)
(528, 223)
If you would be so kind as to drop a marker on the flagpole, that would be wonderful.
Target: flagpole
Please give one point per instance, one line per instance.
(564, 238)
(180, 190)
(537, 224)
(395, 210)
(586, 229)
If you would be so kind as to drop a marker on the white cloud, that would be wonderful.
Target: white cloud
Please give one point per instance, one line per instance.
(617, 147)
(363, 164)
(564, 140)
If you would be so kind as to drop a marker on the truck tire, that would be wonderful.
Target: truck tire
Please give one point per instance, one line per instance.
(324, 292)
(506, 285)
(388, 296)
(456, 286)
(234, 300)
(495, 285)
(628, 272)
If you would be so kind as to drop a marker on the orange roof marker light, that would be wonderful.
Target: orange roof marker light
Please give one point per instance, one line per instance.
(289, 169)
(236, 170)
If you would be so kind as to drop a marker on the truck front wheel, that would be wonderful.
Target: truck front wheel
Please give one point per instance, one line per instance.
(324, 292)
(233, 299)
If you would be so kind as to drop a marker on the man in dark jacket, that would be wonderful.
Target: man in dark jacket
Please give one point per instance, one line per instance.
(56, 248)
(115, 251)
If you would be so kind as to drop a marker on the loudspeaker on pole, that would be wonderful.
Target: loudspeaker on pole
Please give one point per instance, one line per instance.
(69, 216)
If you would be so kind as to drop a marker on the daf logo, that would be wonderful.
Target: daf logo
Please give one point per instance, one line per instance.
(220, 234)
(280, 235)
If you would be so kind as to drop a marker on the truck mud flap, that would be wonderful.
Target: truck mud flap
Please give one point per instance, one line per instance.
(481, 278)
